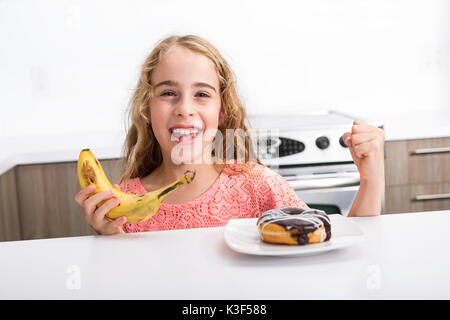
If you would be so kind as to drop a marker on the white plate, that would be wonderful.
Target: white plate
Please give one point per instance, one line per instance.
(242, 236)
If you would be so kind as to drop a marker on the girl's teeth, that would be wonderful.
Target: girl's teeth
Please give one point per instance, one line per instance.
(182, 132)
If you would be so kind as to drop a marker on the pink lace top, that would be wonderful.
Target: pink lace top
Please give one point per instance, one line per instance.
(230, 196)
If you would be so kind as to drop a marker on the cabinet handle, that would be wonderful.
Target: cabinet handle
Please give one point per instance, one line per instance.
(433, 196)
(431, 150)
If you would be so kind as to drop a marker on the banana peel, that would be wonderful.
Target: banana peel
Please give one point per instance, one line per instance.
(135, 207)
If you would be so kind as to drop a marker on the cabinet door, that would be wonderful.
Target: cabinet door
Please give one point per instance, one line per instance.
(46, 195)
(414, 168)
(417, 197)
(417, 161)
(9, 210)
(429, 161)
(430, 197)
(396, 199)
(396, 163)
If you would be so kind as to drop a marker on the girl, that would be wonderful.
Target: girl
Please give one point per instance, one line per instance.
(185, 100)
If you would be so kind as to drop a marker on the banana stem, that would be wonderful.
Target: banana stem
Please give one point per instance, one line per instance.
(185, 179)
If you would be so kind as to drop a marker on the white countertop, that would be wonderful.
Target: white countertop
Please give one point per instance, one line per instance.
(108, 145)
(414, 125)
(58, 148)
(407, 253)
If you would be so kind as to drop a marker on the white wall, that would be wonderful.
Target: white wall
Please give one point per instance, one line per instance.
(70, 66)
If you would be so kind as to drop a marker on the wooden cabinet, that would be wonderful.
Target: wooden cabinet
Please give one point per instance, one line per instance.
(9, 208)
(37, 201)
(417, 175)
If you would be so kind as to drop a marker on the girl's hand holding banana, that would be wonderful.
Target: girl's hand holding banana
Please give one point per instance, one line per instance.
(106, 207)
(96, 217)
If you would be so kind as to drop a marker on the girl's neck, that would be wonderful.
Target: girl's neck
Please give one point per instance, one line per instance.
(168, 172)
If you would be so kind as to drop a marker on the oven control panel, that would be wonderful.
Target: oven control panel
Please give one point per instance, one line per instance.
(303, 139)
(293, 148)
(272, 147)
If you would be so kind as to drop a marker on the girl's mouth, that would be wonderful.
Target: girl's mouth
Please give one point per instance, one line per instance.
(184, 135)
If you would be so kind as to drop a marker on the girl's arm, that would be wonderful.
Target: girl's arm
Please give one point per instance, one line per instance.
(368, 199)
(366, 145)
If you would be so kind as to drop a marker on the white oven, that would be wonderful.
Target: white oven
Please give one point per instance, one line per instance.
(308, 151)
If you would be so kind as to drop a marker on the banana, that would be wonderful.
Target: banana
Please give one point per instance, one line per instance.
(135, 208)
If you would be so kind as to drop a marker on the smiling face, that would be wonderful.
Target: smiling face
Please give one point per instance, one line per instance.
(186, 104)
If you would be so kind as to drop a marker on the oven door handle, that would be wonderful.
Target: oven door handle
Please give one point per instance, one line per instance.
(322, 183)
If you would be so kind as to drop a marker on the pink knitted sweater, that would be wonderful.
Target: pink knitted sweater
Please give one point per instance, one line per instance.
(230, 196)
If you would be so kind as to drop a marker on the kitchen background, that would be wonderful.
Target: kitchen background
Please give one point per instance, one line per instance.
(68, 69)
(70, 66)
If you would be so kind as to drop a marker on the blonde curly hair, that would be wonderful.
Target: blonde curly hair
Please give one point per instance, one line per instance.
(142, 153)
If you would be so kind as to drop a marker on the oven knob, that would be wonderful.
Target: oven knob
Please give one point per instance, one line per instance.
(342, 143)
(322, 142)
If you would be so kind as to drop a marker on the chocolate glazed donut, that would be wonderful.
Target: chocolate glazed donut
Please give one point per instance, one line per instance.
(294, 225)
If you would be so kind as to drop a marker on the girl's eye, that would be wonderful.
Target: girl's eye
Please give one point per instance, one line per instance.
(172, 94)
(168, 93)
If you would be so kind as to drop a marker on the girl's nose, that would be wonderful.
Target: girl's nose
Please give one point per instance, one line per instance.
(185, 108)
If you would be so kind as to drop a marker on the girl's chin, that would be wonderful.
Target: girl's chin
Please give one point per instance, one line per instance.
(186, 152)
(189, 149)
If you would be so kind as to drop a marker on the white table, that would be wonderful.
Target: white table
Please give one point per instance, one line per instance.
(402, 256)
